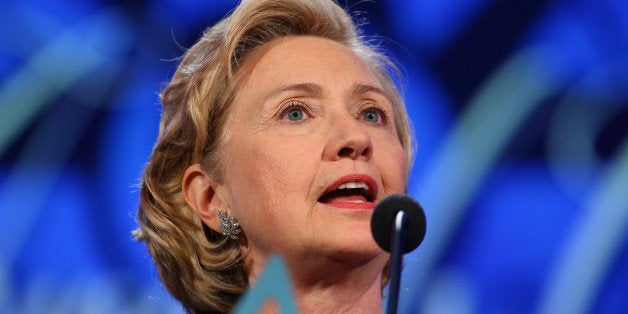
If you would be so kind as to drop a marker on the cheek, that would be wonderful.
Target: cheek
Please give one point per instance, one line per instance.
(249, 176)
(265, 175)
(268, 191)
(392, 164)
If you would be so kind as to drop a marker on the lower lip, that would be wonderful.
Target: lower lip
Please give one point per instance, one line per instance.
(352, 205)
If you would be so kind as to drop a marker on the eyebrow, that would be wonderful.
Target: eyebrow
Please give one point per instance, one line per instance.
(317, 90)
(360, 89)
(308, 88)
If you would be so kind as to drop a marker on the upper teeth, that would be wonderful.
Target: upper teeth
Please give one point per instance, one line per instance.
(353, 185)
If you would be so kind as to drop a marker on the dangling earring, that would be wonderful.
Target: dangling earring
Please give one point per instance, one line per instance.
(228, 225)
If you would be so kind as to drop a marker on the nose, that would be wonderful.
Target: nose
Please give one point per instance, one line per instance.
(348, 139)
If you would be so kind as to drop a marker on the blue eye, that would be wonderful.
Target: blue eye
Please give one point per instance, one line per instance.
(372, 116)
(295, 114)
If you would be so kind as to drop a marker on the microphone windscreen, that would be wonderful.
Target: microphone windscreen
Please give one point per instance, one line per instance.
(383, 222)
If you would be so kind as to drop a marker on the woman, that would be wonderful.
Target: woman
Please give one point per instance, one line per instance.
(280, 131)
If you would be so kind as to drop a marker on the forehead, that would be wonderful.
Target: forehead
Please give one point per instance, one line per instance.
(303, 59)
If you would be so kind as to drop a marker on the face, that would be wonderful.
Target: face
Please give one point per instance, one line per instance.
(312, 148)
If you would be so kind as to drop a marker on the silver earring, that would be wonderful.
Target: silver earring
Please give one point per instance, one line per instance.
(228, 225)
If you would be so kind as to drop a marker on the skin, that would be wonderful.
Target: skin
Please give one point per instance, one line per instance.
(309, 111)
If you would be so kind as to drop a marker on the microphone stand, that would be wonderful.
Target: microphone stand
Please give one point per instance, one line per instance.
(397, 248)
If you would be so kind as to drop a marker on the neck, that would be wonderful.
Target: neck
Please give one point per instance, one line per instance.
(336, 286)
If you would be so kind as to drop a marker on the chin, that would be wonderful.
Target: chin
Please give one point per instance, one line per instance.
(347, 240)
(357, 249)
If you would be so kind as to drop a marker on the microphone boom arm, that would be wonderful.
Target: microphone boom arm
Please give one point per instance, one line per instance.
(397, 247)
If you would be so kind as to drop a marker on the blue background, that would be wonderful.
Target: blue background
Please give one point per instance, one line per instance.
(520, 109)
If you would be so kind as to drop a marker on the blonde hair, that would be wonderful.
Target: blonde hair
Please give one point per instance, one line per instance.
(200, 267)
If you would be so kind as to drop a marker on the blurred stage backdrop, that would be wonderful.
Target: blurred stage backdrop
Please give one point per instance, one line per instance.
(520, 109)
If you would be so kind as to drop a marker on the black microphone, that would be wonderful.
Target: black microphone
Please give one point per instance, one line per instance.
(398, 226)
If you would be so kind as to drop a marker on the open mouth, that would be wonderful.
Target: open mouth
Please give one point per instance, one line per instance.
(355, 189)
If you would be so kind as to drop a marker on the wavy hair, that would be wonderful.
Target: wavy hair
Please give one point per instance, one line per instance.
(200, 267)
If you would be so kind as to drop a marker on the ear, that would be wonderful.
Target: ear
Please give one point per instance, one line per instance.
(199, 191)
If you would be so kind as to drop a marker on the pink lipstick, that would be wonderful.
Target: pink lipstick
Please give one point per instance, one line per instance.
(354, 191)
